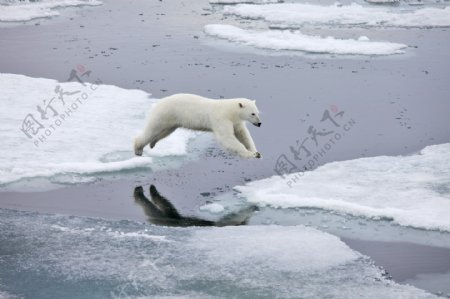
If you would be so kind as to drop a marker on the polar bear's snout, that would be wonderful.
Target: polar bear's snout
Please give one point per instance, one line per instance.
(254, 119)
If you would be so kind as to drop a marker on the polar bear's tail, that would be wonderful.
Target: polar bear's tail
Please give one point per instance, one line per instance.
(138, 146)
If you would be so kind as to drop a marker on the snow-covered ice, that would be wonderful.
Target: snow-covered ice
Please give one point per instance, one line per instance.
(295, 15)
(46, 255)
(410, 190)
(14, 11)
(91, 135)
(296, 41)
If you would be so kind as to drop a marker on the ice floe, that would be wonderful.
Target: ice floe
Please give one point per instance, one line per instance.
(410, 190)
(212, 208)
(295, 14)
(383, 1)
(296, 41)
(58, 128)
(14, 11)
(45, 256)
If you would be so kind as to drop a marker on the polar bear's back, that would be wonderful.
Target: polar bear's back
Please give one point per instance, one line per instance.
(186, 99)
(185, 104)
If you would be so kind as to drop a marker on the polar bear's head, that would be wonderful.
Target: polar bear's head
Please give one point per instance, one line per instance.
(249, 112)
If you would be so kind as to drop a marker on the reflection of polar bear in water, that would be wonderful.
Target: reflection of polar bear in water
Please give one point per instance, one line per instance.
(225, 118)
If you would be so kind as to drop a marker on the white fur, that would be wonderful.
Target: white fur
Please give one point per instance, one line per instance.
(225, 118)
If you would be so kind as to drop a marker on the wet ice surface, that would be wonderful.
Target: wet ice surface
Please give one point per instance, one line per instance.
(49, 256)
(409, 255)
(71, 132)
(414, 256)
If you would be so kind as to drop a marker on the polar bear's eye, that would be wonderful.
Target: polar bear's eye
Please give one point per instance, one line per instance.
(253, 113)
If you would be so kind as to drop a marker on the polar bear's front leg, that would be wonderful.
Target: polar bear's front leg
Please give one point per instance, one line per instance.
(225, 135)
(243, 135)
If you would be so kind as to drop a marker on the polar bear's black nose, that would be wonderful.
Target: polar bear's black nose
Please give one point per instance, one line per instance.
(259, 125)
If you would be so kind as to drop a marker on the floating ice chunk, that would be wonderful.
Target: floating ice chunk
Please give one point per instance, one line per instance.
(383, 1)
(48, 255)
(363, 38)
(295, 15)
(411, 190)
(28, 10)
(296, 41)
(93, 134)
(212, 208)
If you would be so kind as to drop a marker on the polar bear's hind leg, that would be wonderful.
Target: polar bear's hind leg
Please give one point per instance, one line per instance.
(160, 134)
(151, 136)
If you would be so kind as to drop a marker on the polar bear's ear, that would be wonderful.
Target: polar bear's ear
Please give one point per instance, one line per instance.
(240, 105)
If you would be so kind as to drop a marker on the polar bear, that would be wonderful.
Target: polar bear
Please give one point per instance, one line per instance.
(225, 118)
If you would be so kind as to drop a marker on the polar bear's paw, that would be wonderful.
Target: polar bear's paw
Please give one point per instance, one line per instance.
(138, 149)
(250, 155)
